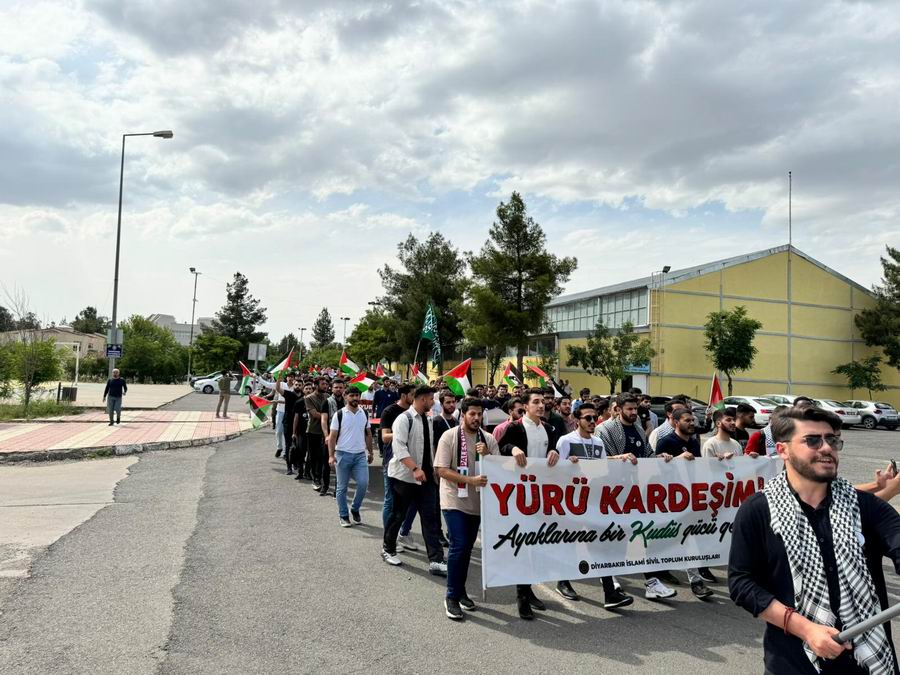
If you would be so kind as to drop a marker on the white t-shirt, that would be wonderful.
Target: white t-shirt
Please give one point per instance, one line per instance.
(713, 447)
(353, 430)
(573, 444)
(537, 439)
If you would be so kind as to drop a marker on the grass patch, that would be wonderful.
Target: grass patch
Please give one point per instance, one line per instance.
(16, 411)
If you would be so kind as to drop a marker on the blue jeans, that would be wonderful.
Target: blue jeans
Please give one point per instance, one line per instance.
(388, 498)
(349, 464)
(463, 529)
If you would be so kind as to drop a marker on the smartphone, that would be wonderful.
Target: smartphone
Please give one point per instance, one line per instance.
(894, 467)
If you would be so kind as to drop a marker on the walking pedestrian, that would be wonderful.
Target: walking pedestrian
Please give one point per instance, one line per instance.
(224, 393)
(115, 390)
(350, 452)
(317, 409)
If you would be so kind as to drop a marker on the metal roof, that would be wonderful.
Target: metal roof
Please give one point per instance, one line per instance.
(676, 276)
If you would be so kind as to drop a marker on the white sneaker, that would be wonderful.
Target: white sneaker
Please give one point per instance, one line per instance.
(439, 569)
(654, 589)
(616, 584)
(406, 543)
(390, 558)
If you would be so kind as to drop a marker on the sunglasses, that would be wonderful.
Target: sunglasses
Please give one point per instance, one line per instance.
(588, 418)
(815, 441)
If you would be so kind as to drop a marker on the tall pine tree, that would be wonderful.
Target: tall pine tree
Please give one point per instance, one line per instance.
(323, 330)
(241, 314)
(880, 325)
(515, 277)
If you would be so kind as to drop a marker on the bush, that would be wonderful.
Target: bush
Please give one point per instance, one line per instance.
(36, 409)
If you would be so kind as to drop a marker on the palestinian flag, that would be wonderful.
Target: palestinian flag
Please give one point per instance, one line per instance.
(510, 377)
(361, 382)
(246, 379)
(544, 379)
(284, 365)
(379, 372)
(347, 366)
(458, 378)
(259, 409)
(314, 370)
(716, 400)
(417, 375)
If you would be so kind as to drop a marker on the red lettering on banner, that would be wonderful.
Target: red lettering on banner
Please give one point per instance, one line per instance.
(532, 508)
(656, 498)
(609, 499)
(742, 492)
(503, 493)
(679, 497)
(552, 498)
(698, 496)
(634, 501)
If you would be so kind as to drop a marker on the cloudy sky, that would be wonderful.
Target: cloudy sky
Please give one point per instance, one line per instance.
(311, 137)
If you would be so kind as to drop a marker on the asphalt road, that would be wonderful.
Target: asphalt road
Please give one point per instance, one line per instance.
(210, 560)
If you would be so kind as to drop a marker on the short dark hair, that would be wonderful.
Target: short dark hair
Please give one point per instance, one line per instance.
(565, 397)
(646, 397)
(510, 403)
(404, 389)
(681, 412)
(534, 391)
(351, 390)
(800, 399)
(602, 406)
(745, 408)
(636, 391)
(622, 399)
(672, 402)
(445, 395)
(584, 406)
(470, 402)
(321, 378)
(338, 380)
(724, 412)
(472, 391)
(584, 390)
(424, 390)
(784, 422)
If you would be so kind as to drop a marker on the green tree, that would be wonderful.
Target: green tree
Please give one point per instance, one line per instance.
(241, 315)
(216, 352)
(151, 352)
(285, 344)
(322, 330)
(324, 356)
(7, 322)
(515, 276)
(880, 325)
(865, 374)
(370, 340)
(430, 270)
(7, 370)
(729, 336)
(35, 360)
(609, 355)
(88, 321)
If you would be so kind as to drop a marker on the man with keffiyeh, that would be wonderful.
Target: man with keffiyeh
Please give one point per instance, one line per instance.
(806, 555)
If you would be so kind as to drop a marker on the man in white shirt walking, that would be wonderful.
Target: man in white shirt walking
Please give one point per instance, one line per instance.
(350, 452)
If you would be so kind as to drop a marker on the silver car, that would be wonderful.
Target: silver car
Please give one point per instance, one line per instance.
(764, 407)
(849, 416)
(875, 414)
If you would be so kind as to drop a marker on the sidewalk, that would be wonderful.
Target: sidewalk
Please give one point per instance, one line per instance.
(89, 434)
(139, 396)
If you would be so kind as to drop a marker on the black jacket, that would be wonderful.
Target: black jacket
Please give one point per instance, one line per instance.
(515, 437)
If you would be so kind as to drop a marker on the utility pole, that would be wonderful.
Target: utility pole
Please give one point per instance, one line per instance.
(193, 309)
(302, 331)
(345, 319)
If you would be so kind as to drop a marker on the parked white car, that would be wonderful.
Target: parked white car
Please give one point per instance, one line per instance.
(849, 416)
(781, 399)
(876, 413)
(211, 385)
(763, 407)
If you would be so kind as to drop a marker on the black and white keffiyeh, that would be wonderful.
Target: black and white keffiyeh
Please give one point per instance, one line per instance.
(858, 598)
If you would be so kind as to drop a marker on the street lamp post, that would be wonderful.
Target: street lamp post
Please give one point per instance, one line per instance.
(345, 319)
(157, 134)
(302, 331)
(193, 308)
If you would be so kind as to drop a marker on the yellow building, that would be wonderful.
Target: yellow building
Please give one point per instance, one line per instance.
(806, 310)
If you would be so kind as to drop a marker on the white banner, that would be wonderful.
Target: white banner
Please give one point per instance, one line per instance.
(606, 517)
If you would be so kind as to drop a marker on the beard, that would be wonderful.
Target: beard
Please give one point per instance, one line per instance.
(825, 474)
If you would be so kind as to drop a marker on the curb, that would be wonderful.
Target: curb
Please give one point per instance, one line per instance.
(111, 450)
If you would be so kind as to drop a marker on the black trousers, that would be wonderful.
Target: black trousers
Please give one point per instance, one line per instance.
(293, 453)
(423, 496)
(317, 456)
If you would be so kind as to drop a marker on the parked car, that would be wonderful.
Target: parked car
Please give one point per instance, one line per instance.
(782, 399)
(849, 416)
(658, 405)
(211, 385)
(211, 376)
(876, 413)
(763, 407)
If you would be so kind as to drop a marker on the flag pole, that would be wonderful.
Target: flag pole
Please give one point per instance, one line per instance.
(854, 631)
(416, 358)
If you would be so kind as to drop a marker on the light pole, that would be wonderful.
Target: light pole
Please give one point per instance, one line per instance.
(193, 308)
(302, 331)
(345, 319)
(115, 327)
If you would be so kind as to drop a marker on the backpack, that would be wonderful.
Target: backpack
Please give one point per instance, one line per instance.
(340, 418)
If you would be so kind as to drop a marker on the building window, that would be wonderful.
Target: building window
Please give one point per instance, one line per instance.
(615, 310)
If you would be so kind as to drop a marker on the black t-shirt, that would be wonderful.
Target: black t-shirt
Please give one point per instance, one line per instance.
(741, 436)
(633, 442)
(300, 410)
(674, 445)
(427, 433)
(391, 413)
(439, 425)
(644, 415)
(290, 400)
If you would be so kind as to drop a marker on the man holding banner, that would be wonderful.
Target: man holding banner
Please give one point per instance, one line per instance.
(457, 462)
(806, 555)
